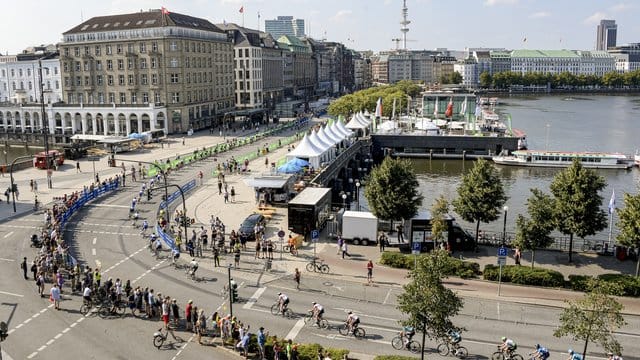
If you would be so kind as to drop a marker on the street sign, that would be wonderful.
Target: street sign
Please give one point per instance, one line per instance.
(416, 247)
(315, 235)
(502, 260)
(93, 158)
(502, 251)
(281, 233)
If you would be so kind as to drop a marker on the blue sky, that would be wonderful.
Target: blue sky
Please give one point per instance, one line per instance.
(360, 24)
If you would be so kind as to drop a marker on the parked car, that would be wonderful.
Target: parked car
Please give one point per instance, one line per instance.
(245, 232)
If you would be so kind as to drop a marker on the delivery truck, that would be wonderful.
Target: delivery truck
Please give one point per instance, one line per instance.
(359, 227)
(309, 210)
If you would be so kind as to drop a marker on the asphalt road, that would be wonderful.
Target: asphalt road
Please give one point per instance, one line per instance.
(101, 234)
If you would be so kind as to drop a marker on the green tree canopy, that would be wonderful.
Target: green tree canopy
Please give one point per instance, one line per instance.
(392, 190)
(629, 223)
(593, 318)
(439, 211)
(366, 99)
(578, 202)
(481, 195)
(534, 233)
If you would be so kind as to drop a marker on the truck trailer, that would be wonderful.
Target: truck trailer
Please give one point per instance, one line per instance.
(359, 227)
(309, 210)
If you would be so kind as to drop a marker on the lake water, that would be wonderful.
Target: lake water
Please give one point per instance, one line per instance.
(577, 123)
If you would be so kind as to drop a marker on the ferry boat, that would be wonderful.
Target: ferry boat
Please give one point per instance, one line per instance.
(541, 158)
(636, 158)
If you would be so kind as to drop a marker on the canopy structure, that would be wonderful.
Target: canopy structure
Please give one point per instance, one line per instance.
(332, 134)
(355, 123)
(320, 143)
(299, 162)
(307, 151)
(290, 167)
(339, 125)
(322, 135)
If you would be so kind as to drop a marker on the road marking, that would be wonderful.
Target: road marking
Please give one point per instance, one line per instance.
(371, 316)
(49, 342)
(95, 240)
(109, 205)
(183, 347)
(32, 355)
(66, 330)
(12, 294)
(4, 259)
(58, 336)
(254, 298)
(295, 330)
(93, 251)
(8, 234)
(386, 298)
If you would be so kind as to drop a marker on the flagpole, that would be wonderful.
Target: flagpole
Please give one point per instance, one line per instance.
(610, 228)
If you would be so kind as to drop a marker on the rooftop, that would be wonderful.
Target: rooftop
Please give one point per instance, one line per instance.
(544, 54)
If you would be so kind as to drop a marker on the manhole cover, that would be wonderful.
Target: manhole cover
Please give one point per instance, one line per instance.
(327, 283)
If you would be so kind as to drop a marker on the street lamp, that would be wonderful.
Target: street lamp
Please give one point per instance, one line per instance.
(45, 124)
(357, 195)
(504, 225)
(344, 201)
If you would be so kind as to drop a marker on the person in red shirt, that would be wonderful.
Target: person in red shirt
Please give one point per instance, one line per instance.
(370, 271)
(187, 314)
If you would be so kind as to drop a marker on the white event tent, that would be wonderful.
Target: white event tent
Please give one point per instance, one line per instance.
(339, 125)
(326, 147)
(306, 150)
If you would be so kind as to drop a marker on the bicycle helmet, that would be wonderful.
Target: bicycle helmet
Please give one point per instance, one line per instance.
(504, 338)
(279, 293)
(537, 346)
(570, 352)
(313, 303)
(350, 312)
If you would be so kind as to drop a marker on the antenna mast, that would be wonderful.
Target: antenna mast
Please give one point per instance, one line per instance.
(404, 28)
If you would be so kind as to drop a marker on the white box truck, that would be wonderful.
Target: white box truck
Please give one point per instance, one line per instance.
(359, 227)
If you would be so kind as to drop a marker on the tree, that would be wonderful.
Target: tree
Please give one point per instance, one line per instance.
(578, 203)
(392, 190)
(455, 78)
(480, 195)
(485, 79)
(426, 301)
(593, 318)
(439, 211)
(629, 224)
(534, 233)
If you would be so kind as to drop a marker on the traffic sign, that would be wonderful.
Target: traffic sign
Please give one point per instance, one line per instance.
(281, 233)
(315, 235)
(416, 247)
(502, 260)
(502, 251)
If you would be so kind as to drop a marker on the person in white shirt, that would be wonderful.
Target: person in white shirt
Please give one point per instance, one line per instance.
(318, 311)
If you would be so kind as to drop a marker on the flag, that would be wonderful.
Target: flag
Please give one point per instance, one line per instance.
(379, 108)
(241, 9)
(224, 22)
(449, 112)
(164, 11)
(524, 40)
(612, 202)
(478, 111)
(463, 108)
(435, 109)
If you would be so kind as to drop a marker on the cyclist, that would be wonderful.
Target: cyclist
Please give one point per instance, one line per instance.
(86, 295)
(283, 301)
(175, 255)
(136, 215)
(145, 226)
(574, 355)
(541, 353)
(152, 240)
(610, 356)
(352, 321)
(317, 311)
(508, 346)
(157, 246)
(454, 337)
(407, 333)
(193, 267)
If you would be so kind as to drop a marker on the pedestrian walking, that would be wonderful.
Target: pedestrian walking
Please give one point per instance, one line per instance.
(345, 250)
(34, 270)
(236, 256)
(400, 229)
(516, 255)
(219, 186)
(382, 239)
(226, 196)
(296, 278)
(340, 242)
(35, 186)
(54, 296)
(266, 163)
(216, 255)
(370, 271)
(233, 194)
(257, 255)
(31, 185)
(78, 167)
(23, 266)
(40, 284)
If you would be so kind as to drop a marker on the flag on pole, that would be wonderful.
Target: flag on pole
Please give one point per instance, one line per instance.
(449, 111)
(164, 11)
(241, 9)
(379, 108)
(435, 108)
(612, 202)
(463, 108)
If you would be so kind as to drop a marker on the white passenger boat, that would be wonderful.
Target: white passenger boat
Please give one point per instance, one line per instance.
(541, 158)
(636, 158)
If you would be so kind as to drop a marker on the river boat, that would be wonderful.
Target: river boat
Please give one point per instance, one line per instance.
(636, 158)
(542, 158)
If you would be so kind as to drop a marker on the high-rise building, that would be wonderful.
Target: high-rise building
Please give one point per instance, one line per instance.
(606, 34)
(284, 25)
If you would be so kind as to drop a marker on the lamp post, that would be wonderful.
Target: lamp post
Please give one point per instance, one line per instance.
(164, 174)
(45, 124)
(357, 195)
(344, 201)
(504, 225)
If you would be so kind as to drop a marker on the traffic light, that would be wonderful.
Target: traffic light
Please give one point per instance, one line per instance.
(3, 331)
(234, 291)
(149, 197)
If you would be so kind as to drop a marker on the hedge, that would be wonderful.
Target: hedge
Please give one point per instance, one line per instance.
(305, 351)
(524, 275)
(463, 269)
(630, 285)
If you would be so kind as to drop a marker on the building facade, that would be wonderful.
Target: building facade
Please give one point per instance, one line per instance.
(284, 26)
(545, 61)
(596, 62)
(606, 34)
(173, 60)
(627, 57)
(335, 67)
(303, 63)
(468, 68)
(20, 79)
(361, 71)
(380, 68)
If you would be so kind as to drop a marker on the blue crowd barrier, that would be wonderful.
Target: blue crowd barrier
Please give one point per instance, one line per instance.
(166, 238)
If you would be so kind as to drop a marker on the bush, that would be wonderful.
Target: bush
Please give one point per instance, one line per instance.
(524, 275)
(457, 267)
(630, 285)
(578, 282)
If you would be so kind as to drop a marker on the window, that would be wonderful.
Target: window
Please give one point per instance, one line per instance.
(98, 65)
(65, 66)
(134, 98)
(154, 63)
(130, 64)
(156, 98)
(109, 65)
(80, 98)
(110, 80)
(188, 78)
(48, 85)
(144, 79)
(77, 65)
(119, 49)
(154, 46)
(173, 46)
(154, 79)
(175, 97)
(112, 98)
(145, 98)
(143, 47)
(143, 63)
(66, 52)
(100, 98)
(97, 50)
(174, 78)
(99, 80)
(108, 51)
(57, 85)
(130, 80)
(123, 98)
(173, 63)
(28, 72)
(130, 48)
(76, 51)
(87, 51)
(120, 79)
(87, 82)
(86, 66)
(120, 64)
(30, 86)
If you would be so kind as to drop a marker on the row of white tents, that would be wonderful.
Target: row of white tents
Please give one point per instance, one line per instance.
(360, 123)
(320, 146)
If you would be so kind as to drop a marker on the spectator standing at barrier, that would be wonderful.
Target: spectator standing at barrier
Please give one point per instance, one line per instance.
(23, 266)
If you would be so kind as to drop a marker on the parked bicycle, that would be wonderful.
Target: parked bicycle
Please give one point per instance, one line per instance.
(286, 312)
(318, 266)
(160, 337)
(308, 319)
(291, 250)
(358, 332)
(401, 341)
(446, 347)
(590, 245)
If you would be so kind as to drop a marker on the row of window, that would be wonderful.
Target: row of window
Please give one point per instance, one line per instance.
(20, 85)
(143, 79)
(143, 47)
(28, 72)
(153, 63)
(133, 97)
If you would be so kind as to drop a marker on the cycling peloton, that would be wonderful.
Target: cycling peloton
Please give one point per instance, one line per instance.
(575, 356)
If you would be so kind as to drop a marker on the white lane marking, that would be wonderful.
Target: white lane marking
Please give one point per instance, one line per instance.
(42, 348)
(386, 298)
(66, 330)
(36, 315)
(8, 234)
(94, 240)
(12, 294)
(58, 336)
(183, 347)
(50, 342)
(93, 251)
(32, 355)
(254, 298)
(109, 205)
(365, 315)
(295, 330)
(4, 259)
(43, 310)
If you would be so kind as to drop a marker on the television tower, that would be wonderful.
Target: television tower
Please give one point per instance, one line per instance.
(405, 22)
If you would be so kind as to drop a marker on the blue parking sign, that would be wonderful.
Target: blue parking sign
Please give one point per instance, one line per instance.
(416, 247)
(315, 235)
(502, 251)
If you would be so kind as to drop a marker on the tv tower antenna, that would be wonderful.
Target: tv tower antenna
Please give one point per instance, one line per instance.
(405, 22)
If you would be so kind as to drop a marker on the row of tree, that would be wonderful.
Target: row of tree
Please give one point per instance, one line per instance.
(573, 208)
(503, 80)
(366, 99)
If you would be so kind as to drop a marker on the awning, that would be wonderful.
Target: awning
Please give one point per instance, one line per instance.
(276, 182)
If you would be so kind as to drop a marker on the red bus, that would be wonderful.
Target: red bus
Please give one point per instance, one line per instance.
(54, 156)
